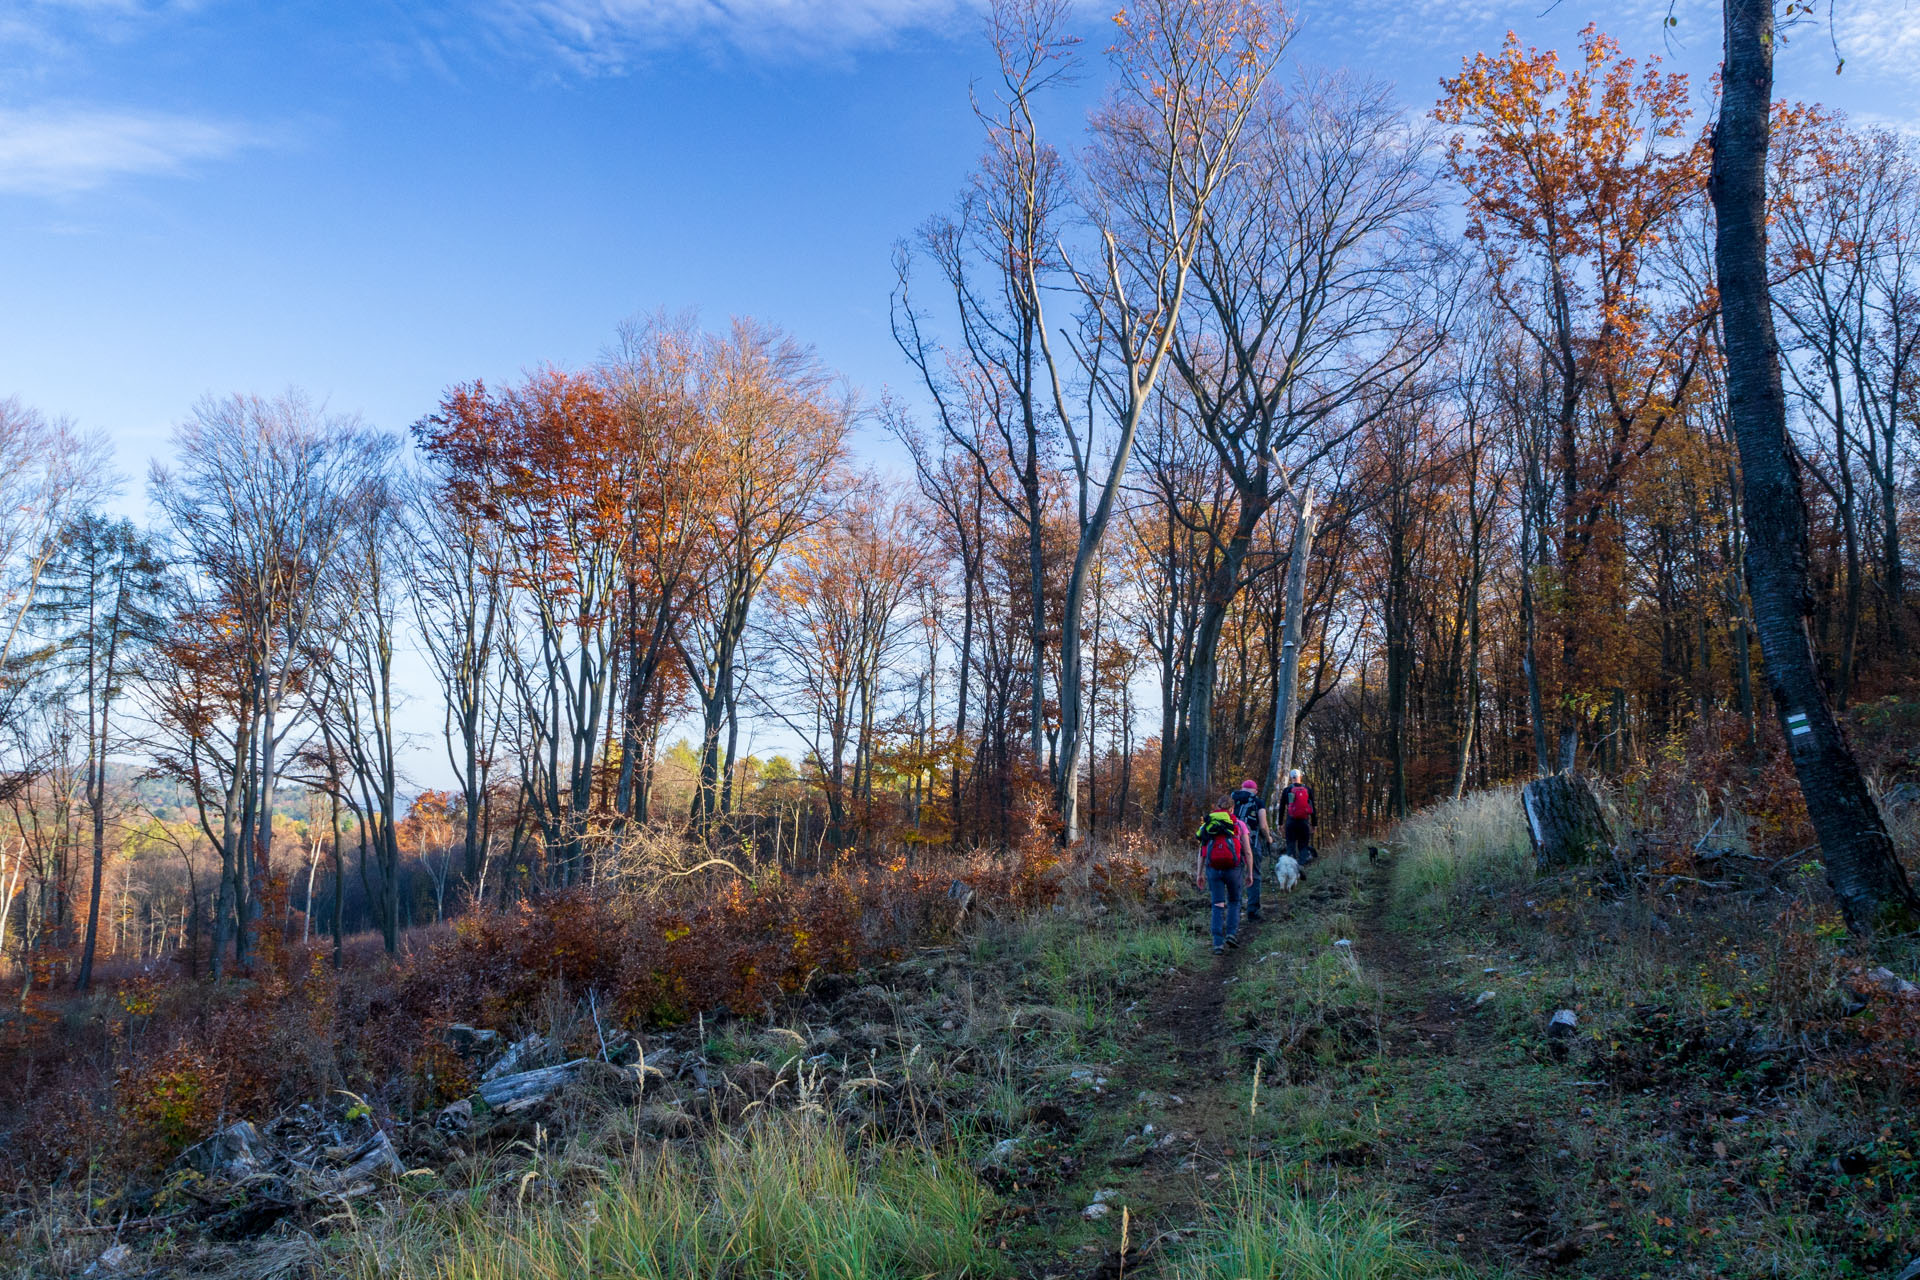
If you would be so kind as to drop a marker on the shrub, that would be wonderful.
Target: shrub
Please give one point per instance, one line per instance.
(155, 1066)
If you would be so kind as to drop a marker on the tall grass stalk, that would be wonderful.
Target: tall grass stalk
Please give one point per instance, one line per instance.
(784, 1198)
(1460, 848)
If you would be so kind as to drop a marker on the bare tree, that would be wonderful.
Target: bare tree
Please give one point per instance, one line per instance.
(459, 593)
(1313, 312)
(991, 388)
(366, 598)
(1846, 205)
(256, 506)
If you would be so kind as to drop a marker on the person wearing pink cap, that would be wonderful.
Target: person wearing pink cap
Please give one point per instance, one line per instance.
(1252, 810)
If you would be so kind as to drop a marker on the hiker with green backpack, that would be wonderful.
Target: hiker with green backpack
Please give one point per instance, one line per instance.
(1223, 865)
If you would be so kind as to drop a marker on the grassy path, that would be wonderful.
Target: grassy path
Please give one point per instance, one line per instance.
(1231, 1074)
(1379, 1052)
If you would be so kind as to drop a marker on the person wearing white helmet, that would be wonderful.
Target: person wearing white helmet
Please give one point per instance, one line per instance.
(1298, 817)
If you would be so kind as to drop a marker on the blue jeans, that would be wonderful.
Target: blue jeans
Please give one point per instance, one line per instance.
(1224, 887)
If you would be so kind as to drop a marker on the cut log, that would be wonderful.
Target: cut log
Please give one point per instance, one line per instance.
(377, 1157)
(527, 1085)
(1565, 821)
(522, 1052)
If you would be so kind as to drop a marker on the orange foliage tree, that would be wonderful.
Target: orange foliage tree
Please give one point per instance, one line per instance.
(1579, 184)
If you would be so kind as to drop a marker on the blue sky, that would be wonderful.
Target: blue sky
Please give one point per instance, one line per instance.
(372, 199)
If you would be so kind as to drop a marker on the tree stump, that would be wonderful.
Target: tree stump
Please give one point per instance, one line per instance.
(1565, 821)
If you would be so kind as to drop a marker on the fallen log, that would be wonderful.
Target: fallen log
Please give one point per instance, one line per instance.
(525, 1085)
(520, 1052)
(377, 1156)
(235, 1153)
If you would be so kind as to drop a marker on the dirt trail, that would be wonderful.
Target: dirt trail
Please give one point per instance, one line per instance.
(1183, 1072)
(1475, 1189)
(1469, 1183)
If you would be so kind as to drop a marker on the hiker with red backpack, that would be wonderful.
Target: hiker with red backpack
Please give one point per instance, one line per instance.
(1222, 866)
(1299, 818)
(1252, 810)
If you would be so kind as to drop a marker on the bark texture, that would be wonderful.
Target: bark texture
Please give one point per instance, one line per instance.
(1565, 821)
(1862, 868)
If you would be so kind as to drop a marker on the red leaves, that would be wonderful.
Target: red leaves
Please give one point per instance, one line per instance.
(545, 462)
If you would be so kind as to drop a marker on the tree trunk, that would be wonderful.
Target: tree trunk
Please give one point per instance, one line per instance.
(1866, 876)
(1470, 719)
(1565, 821)
(339, 877)
(1399, 660)
(1530, 661)
(97, 805)
(1287, 693)
(1222, 586)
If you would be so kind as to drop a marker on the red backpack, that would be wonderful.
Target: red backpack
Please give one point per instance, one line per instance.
(1299, 802)
(1219, 841)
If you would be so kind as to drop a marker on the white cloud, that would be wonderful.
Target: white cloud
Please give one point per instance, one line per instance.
(58, 151)
(58, 26)
(606, 35)
(1881, 35)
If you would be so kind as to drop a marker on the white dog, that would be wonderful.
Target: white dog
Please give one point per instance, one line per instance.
(1286, 872)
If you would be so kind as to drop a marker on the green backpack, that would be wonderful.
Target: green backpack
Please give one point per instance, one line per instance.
(1219, 840)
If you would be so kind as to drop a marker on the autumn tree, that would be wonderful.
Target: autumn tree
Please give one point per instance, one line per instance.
(840, 618)
(545, 465)
(660, 375)
(1578, 182)
(779, 429)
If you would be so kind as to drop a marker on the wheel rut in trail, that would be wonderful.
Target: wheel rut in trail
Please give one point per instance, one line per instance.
(1486, 1202)
(1177, 1047)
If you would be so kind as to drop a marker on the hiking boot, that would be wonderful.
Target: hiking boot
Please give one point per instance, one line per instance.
(1255, 915)
(1233, 939)
(1219, 951)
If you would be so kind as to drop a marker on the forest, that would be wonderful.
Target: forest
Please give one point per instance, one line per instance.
(1252, 423)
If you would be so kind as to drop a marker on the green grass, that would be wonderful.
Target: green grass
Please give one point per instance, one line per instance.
(1084, 972)
(785, 1199)
(1263, 1228)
